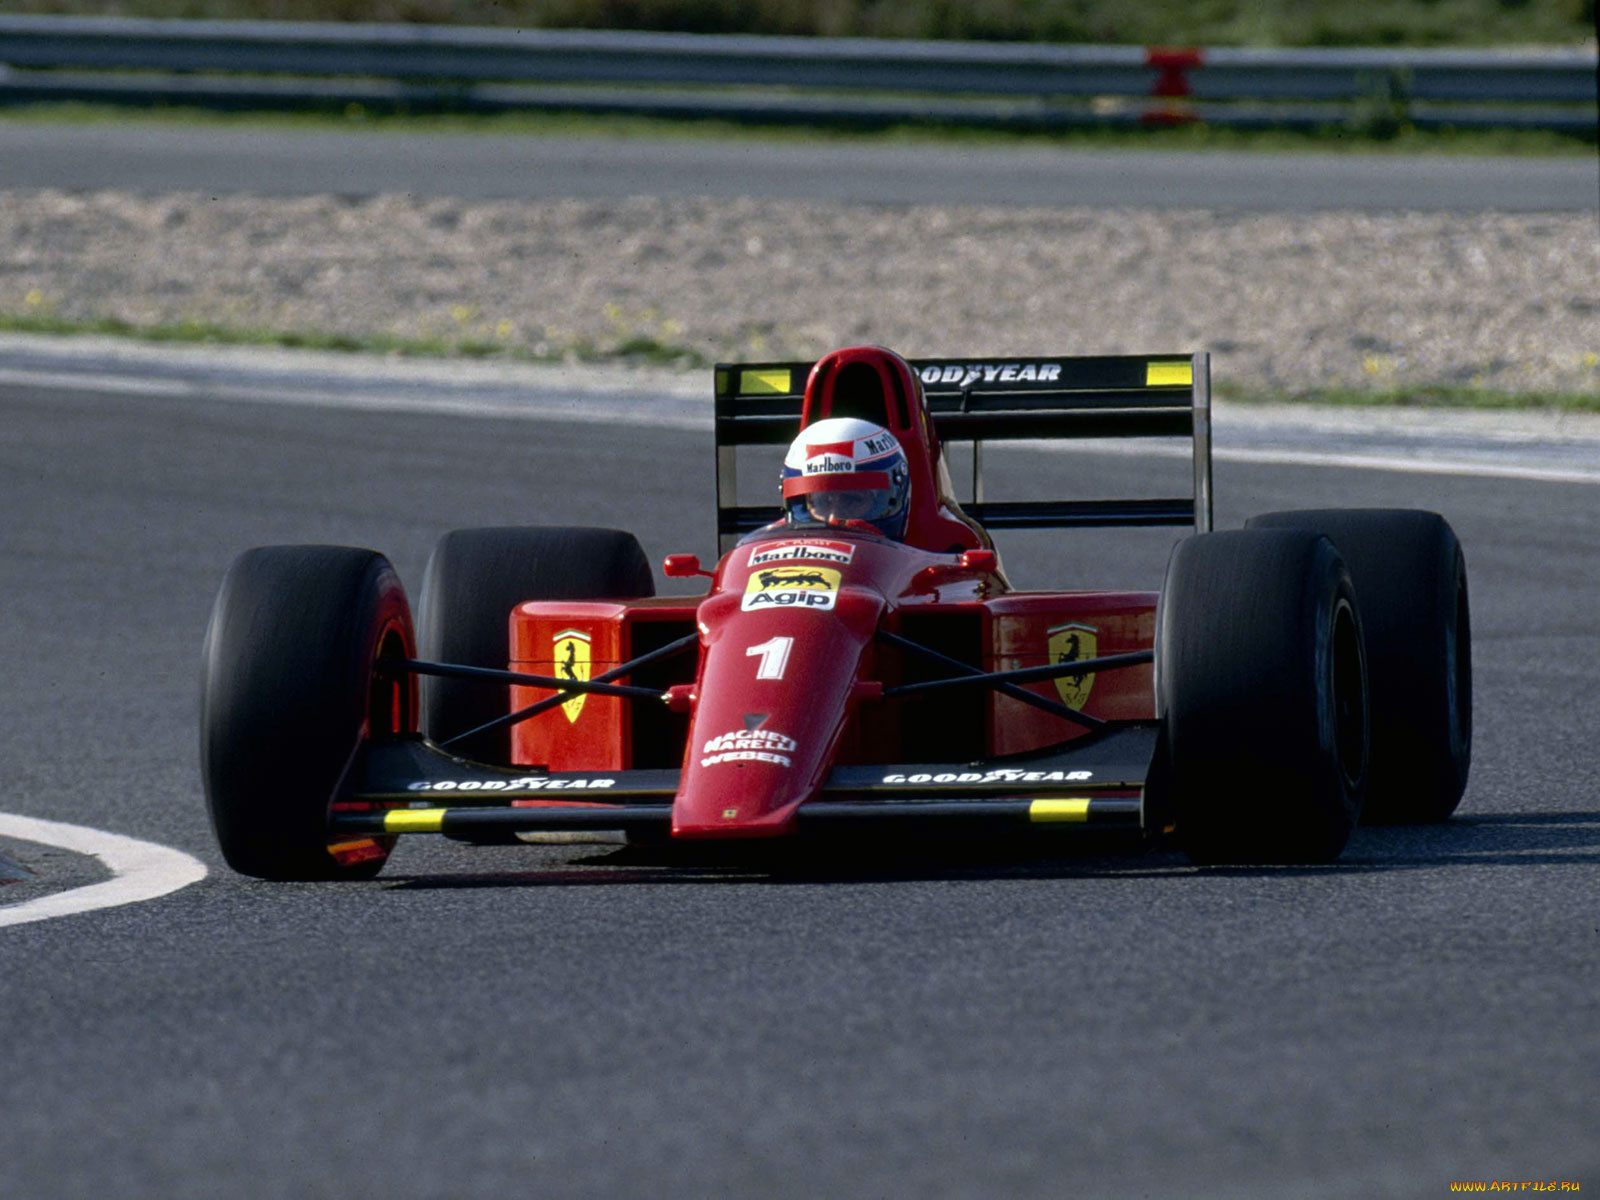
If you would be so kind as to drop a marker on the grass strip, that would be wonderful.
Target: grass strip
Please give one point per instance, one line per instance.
(1436, 396)
(649, 351)
(641, 350)
(1140, 22)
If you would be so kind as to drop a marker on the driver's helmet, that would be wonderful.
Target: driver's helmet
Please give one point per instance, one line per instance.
(845, 469)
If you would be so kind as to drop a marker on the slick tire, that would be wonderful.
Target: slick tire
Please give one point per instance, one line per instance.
(1262, 698)
(288, 692)
(1411, 582)
(473, 581)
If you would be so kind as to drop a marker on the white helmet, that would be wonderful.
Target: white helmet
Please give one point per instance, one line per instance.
(845, 469)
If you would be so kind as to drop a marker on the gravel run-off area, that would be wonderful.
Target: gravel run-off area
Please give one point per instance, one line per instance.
(1287, 303)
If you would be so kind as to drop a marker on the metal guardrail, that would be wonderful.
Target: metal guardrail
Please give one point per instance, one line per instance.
(281, 64)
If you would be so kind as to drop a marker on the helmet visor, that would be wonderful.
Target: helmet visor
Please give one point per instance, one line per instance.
(840, 496)
(857, 504)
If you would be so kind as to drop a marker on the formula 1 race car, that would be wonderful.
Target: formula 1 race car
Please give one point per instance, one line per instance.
(835, 680)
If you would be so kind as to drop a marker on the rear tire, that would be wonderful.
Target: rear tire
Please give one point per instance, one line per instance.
(1261, 693)
(288, 693)
(474, 580)
(1411, 580)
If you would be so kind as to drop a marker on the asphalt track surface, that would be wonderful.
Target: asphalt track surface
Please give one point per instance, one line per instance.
(570, 1021)
(297, 162)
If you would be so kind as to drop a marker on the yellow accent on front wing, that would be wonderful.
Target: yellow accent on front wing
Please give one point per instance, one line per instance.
(413, 820)
(1168, 374)
(1074, 808)
(764, 383)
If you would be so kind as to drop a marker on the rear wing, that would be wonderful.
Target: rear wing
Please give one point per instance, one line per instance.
(997, 399)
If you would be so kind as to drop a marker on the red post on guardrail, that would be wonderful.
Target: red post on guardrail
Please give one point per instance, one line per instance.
(1172, 84)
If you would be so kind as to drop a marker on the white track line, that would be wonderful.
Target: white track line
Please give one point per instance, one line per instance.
(1406, 462)
(143, 870)
(586, 396)
(598, 407)
(1409, 466)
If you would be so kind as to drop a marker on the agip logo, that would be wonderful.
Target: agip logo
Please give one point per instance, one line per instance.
(571, 654)
(813, 588)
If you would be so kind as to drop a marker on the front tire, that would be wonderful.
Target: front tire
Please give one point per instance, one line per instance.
(288, 693)
(1411, 579)
(1261, 694)
(474, 580)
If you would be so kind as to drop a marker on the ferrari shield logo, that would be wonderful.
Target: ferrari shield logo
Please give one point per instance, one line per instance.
(571, 654)
(1069, 643)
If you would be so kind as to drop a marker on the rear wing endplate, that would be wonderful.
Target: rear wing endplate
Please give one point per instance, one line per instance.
(994, 399)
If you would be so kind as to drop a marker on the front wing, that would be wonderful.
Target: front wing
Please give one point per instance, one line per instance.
(408, 785)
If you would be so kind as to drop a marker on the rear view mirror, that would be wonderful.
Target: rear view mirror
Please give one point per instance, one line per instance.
(683, 566)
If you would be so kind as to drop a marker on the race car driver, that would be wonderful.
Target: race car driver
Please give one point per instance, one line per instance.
(842, 471)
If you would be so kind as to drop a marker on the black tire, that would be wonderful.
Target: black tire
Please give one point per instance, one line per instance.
(1261, 693)
(473, 581)
(1411, 582)
(288, 693)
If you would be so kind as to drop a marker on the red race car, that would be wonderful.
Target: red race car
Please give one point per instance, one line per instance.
(859, 660)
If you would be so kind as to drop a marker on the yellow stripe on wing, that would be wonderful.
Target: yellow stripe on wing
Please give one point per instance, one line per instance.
(1066, 808)
(413, 820)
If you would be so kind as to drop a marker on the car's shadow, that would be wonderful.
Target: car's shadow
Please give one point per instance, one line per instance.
(1496, 840)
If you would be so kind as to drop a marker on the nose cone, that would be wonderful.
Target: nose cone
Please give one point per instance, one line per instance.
(775, 691)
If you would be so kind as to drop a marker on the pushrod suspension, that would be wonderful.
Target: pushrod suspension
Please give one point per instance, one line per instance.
(1010, 689)
(549, 702)
(1081, 666)
(412, 666)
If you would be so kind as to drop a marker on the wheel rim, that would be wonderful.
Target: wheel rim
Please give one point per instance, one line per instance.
(391, 695)
(1458, 684)
(391, 709)
(1349, 694)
